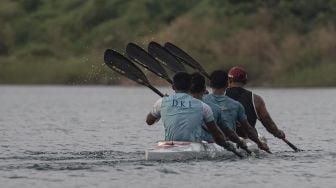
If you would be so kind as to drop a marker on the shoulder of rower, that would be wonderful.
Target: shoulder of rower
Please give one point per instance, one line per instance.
(204, 104)
(158, 102)
(258, 101)
(206, 107)
(260, 106)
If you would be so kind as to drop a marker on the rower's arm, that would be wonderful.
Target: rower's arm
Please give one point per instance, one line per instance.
(251, 132)
(216, 133)
(155, 114)
(213, 128)
(150, 120)
(233, 136)
(265, 117)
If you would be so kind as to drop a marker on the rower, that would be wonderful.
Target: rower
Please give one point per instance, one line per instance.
(254, 105)
(183, 116)
(232, 111)
(197, 90)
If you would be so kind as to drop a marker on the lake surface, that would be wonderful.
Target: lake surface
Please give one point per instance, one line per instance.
(96, 136)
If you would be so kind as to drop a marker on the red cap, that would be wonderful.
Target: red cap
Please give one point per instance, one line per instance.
(237, 74)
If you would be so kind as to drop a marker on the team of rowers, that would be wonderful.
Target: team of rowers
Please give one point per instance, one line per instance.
(228, 113)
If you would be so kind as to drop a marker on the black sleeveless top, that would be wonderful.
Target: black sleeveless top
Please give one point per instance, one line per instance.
(245, 97)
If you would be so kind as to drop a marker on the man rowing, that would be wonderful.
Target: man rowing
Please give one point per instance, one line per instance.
(232, 111)
(254, 105)
(183, 116)
(197, 90)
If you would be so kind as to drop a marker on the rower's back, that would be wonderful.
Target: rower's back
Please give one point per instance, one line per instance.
(245, 97)
(232, 111)
(181, 114)
(182, 117)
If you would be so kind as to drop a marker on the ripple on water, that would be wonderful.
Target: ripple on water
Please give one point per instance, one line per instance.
(17, 177)
(82, 160)
(167, 171)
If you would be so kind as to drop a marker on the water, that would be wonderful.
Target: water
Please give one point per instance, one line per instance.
(96, 136)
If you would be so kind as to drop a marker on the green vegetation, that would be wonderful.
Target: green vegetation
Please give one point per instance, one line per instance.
(279, 42)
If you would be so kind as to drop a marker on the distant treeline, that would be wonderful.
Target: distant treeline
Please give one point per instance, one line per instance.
(279, 42)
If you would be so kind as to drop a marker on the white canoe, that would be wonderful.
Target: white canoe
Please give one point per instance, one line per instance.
(175, 150)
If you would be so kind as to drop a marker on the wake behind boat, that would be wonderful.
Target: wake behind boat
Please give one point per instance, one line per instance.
(176, 150)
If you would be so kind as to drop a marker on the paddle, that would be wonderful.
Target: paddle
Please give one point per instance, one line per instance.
(291, 145)
(140, 56)
(125, 67)
(165, 57)
(187, 59)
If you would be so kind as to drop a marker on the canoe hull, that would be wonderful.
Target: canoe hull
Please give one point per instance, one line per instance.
(176, 151)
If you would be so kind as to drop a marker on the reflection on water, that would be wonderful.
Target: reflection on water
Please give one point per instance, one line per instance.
(96, 136)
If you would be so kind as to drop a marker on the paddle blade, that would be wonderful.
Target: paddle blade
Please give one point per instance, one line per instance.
(182, 55)
(165, 57)
(140, 56)
(124, 66)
